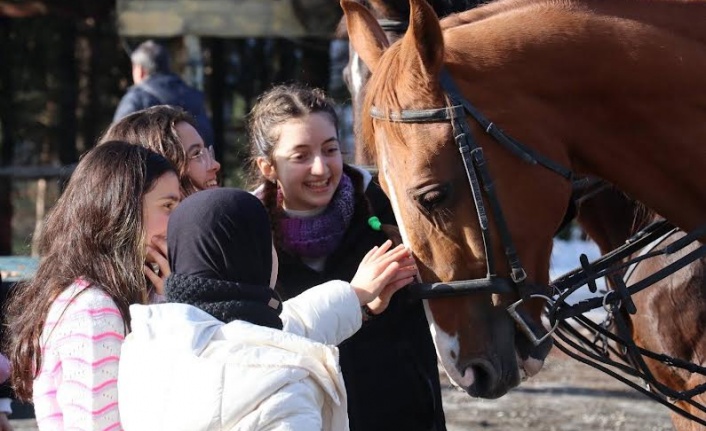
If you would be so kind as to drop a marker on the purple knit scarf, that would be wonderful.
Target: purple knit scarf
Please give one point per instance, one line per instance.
(318, 236)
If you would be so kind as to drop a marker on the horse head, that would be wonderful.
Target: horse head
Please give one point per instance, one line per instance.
(479, 344)
(391, 15)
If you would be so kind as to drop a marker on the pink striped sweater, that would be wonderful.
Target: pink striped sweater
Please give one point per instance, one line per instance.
(76, 388)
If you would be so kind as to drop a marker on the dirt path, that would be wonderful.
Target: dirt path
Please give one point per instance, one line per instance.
(565, 396)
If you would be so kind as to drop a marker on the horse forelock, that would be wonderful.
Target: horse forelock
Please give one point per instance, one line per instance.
(397, 85)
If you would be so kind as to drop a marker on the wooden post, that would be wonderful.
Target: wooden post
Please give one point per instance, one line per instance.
(40, 210)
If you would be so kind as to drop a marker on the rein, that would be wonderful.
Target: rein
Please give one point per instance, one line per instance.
(480, 181)
(618, 304)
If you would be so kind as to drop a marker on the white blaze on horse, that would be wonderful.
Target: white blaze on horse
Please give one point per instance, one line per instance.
(532, 93)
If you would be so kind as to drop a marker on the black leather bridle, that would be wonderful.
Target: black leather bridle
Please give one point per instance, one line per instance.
(558, 310)
(481, 183)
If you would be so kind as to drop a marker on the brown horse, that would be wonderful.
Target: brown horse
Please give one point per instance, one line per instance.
(392, 16)
(614, 89)
(671, 314)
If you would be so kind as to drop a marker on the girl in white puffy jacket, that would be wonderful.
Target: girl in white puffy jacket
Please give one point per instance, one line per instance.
(224, 353)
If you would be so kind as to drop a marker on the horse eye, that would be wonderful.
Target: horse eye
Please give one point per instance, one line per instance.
(431, 198)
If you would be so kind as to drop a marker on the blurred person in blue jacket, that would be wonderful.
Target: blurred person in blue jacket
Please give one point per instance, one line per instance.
(155, 84)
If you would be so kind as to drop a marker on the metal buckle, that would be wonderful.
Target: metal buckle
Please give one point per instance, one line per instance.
(524, 327)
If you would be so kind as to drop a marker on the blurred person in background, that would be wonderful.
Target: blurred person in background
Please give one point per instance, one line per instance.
(155, 84)
(171, 132)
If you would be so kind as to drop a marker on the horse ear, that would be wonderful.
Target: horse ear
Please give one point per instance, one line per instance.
(364, 33)
(424, 35)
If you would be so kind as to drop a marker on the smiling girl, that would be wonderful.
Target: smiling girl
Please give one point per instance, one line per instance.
(67, 324)
(325, 217)
(171, 132)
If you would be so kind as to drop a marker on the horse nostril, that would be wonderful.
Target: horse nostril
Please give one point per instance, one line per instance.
(486, 378)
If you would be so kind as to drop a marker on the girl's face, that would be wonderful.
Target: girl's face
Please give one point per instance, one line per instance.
(201, 165)
(307, 162)
(158, 204)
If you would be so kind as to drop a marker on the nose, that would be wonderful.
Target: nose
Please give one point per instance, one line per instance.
(318, 167)
(215, 166)
(485, 377)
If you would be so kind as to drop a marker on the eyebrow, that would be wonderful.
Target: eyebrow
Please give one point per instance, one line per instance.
(171, 197)
(331, 139)
(192, 146)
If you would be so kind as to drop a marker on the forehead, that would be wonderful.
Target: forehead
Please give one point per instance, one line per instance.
(187, 134)
(417, 141)
(312, 129)
(166, 184)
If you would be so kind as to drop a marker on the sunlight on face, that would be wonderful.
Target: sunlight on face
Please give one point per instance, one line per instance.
(202, 167)
(157, 204)
(308, 162)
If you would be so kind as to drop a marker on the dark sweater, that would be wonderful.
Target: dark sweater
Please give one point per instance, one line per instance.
(390, 365)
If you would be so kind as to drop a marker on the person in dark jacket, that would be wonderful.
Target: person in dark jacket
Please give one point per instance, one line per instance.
(325, 216)
(155, 84)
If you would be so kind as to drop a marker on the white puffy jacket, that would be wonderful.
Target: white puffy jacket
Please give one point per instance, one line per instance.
(181, 369)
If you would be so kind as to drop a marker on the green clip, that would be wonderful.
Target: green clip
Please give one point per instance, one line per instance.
(374, 223)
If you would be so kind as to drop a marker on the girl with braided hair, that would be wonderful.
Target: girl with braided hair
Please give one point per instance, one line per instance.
(325, 216)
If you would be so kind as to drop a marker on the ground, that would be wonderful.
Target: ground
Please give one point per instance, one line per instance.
(566, 396)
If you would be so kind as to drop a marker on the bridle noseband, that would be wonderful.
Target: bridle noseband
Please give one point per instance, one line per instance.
(480, 181)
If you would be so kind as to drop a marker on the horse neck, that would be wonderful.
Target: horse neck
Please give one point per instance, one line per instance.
(631, 113)
(610, 217)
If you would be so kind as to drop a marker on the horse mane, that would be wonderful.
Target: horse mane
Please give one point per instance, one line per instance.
(467, 38)
(609, 217)
(385, 88)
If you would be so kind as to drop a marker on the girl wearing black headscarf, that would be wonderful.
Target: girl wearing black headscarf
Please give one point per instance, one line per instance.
(220, 332)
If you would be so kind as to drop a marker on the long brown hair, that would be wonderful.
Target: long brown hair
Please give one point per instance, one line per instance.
(95, 231)
(155, 128)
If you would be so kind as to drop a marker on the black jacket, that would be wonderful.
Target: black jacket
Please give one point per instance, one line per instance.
(390, 365)
(167, 89)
